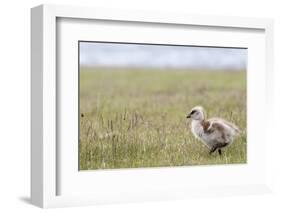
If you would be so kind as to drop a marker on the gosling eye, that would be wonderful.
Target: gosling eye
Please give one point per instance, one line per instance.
(193, 112)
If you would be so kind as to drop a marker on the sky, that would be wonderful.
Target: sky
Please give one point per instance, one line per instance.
(161, 56)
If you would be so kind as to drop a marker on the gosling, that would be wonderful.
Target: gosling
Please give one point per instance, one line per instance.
(215, 133)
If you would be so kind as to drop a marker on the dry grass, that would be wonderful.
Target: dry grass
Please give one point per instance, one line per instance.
(137, 118)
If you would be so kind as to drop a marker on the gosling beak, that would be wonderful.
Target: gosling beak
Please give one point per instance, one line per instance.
(188, 116)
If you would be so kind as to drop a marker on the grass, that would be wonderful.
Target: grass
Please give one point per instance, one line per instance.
(137, 118)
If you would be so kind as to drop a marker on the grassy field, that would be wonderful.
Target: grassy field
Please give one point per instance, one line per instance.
(138, 118)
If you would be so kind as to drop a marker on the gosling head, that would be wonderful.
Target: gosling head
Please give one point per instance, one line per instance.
(197, 113)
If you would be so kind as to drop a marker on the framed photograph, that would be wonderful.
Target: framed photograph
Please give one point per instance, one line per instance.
(131, 106)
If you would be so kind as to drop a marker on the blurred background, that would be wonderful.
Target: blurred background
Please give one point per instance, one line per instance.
(93, 54)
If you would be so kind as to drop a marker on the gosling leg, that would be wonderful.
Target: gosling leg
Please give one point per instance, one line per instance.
(214, 148)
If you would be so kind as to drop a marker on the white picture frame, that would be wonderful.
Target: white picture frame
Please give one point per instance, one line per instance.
(45, 166)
